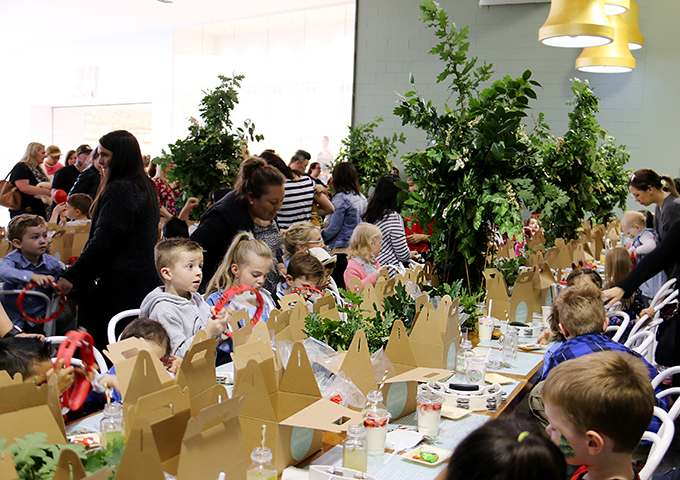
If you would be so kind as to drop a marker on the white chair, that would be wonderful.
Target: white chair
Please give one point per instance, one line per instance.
(398, 269)
(50, 327)
(660, 443)
(111, 329)
(643, 322)
(669, 372)
(98, 357)
(619, 329)
(641, 343)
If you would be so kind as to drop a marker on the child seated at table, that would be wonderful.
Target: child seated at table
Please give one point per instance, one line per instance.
(617, 265)
(328, 285)
(364, 247)
(75, 210)
(501, 450)
(598, 406)
(28, 263)
(177, 305)
(159, 341)
(31, 357)
(304, 271)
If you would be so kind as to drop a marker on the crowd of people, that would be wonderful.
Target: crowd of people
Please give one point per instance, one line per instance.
(280, 230)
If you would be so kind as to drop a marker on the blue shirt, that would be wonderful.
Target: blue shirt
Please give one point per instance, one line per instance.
(16, 273)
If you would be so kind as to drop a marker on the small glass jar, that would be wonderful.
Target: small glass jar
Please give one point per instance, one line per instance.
(261, 468)
(510, 344)
(463, 354)
(112, 425)
(376, 417)
(354, 450)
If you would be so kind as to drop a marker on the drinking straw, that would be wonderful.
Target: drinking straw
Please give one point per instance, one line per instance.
(490, 305)
(382, 382)
(264, 432)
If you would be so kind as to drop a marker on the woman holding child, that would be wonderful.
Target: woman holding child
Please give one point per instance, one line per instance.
(116, 269)
(649, 188)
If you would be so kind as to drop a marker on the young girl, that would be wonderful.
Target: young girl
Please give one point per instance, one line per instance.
(247, 262)
(617, 264)
(364, 247)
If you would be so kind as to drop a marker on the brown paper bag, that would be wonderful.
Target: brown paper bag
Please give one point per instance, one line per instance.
(523, 304)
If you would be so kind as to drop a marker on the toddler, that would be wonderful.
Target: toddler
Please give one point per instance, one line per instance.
(598, 406)
(177, 305)
(501, 450)
(28, 263)
(641, 240)
(75, 210)
(304, 270)
(364, 247)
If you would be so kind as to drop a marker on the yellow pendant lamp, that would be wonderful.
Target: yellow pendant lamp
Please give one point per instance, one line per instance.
(612, 58)
(635, 38)
(576, 24)
(616, 7)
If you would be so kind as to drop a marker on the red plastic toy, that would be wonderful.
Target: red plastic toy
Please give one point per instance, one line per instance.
(313, 289)
(60, 196)
(75, 396)
(20, 304)
(237, 290)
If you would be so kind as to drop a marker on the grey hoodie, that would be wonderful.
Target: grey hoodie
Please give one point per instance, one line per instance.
(181, 318)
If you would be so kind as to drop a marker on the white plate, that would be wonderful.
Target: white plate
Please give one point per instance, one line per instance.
(443, 455)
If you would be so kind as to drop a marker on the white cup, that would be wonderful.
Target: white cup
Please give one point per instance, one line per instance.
(485, 329)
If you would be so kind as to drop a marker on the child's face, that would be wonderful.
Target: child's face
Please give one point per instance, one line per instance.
(327, 279)
(253, 272)
(533, 225)
(34, 243)
(632, 230)
(39, 372)
(72, 213)
(376, 245)
(302, 282)
(573, 444)
(158, 349)
(186, 273)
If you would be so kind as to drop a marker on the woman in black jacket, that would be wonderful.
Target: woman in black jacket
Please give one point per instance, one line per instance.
(116, 269)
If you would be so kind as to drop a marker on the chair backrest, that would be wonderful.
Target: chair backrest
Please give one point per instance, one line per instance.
(641, 342)
(660, 443)
(665, 289)
(98, 357)
(111, 329)
(643, 322)
(668, 373)
(49, 327)
(619, 329)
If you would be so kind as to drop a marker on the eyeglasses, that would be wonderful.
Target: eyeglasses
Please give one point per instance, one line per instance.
(315, 242)
(56, 156)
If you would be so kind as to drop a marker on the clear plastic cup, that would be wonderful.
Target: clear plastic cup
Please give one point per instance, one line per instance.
(429, 413)
(476, 370)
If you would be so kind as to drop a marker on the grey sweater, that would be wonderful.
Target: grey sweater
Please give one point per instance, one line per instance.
(181, 317)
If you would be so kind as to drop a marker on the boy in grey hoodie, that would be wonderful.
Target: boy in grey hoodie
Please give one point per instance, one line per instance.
(177, 305)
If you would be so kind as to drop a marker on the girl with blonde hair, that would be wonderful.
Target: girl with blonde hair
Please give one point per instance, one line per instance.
(364, 247)
(32, 181)
(300, 237)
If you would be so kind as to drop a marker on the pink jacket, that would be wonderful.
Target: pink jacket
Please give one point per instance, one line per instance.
(354, 269)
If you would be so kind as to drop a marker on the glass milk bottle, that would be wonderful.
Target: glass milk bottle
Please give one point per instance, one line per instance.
(376, 418)
(112, 425)
(354, 452)
(464, 352)
(510, 344)
(261, 468)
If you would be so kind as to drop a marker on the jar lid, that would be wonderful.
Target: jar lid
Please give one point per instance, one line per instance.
(374, 396)
(261, 455)
(112, 409)
(429, 398)
(356, 430)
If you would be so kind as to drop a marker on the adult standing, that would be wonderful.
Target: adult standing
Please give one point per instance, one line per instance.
(258, 194)
(167, 194)
(300, 191)
(89, 179)
(70, 158)
(26, 175)
(65, 178)
(314, 171)
(52, 164)
(116, 269)
(382, 211)
(650, 188)
(350, 204)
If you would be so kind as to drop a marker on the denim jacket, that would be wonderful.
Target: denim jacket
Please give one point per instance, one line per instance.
(349, 207)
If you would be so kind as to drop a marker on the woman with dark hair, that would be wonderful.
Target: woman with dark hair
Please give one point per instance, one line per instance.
(116, 269)
(29, 178)
(255, 200)
(314, 171)
(382, 211)
(350, 204)
(301, 193)
(649, 188)
(500, 450)
(70, 158)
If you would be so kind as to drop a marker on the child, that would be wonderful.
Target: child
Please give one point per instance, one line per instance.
(247, 262)
(328, 284)
(177, 305)
(598, 406)
(364, 247)
(304, 270)
(31, 357)
(640, 241)
(159, 341)
(28, 263)
(617, 264)
(500, 450)
(75, 210)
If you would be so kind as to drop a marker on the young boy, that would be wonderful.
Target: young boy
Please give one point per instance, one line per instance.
(329, 262)
(177, 305)
(28, 263)
(304, 270)
(599, 406)
(76, 210)
(30, 356)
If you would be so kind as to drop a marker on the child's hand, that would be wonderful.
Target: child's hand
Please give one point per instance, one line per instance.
(65, 376)
(109, 381)
(218, 322)
(173, 363)
(42, 280)
(192, 202)
(546, 337)
(649, 311)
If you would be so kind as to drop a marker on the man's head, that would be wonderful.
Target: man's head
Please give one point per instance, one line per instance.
(580, 310)
(53, 155)
(82, 156)
(179, 262)
(299, 161)
(597, 404)
(28, 234)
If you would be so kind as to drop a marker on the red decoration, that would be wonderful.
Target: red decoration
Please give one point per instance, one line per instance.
(20, 304)
(75, 396)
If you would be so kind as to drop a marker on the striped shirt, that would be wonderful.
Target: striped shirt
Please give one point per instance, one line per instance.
(394, 247)
(297, 203)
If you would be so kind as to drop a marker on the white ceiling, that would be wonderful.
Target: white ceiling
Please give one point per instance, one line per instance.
(28, 23)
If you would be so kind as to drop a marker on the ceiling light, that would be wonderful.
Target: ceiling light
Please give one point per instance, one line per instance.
(576, 24)
(612, 58)
(616, 7)
(635, 38)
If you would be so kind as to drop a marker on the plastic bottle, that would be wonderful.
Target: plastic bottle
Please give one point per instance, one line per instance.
(261, 468)
(354, 450)
(376, 417)
(510, 344)
(464, 352)
(112, 425)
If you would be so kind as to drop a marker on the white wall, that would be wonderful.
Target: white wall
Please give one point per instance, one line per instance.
(639, 109)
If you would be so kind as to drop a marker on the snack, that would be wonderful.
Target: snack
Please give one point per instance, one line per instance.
(425, 456)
